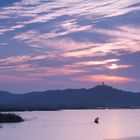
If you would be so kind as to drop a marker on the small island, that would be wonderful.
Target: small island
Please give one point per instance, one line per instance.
(10, 118)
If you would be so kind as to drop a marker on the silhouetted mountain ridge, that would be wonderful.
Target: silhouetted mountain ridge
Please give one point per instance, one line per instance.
(101, 96)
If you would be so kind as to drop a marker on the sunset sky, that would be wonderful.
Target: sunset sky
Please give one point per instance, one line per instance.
(58, 44)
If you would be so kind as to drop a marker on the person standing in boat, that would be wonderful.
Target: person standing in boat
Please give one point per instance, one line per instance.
(96, 120)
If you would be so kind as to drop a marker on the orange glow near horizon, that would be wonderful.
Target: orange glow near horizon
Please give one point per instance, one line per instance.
(106, 78)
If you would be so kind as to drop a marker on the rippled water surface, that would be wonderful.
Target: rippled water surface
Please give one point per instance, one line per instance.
(75, 125)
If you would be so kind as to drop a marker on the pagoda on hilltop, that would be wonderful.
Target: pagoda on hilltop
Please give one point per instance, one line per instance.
(102, 84)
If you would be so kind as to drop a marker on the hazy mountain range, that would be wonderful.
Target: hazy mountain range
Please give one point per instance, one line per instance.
(101, 96)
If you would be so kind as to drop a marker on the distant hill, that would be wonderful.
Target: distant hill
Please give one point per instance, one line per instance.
(101, 96)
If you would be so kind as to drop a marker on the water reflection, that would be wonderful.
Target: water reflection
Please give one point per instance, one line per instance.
(129, 138)
(75, 125)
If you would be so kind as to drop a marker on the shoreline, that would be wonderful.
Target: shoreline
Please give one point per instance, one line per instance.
(98, 108)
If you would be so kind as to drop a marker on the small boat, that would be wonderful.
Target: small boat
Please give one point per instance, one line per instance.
(96, 120)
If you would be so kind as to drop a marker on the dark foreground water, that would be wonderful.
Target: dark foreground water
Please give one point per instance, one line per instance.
(75, 125)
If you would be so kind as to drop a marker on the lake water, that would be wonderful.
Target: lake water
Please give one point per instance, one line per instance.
(75, 125)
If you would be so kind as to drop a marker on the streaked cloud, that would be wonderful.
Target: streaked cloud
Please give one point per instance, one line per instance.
(95, 63)
(9, 79)
(75, 40)
(116, 66)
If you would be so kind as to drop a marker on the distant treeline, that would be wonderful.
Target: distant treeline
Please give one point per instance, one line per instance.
(10, 118)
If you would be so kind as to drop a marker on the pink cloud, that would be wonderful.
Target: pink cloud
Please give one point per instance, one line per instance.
(46, 72)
